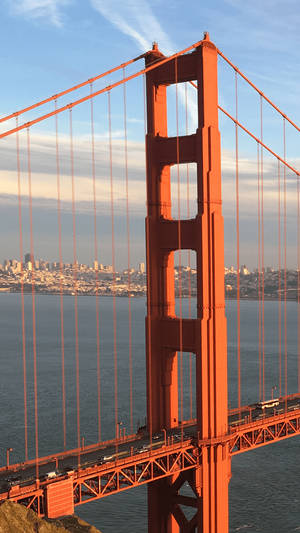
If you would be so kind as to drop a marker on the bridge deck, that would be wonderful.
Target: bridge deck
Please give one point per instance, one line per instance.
(99, 470)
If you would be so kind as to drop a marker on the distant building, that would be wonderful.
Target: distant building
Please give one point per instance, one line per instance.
(17, 266)
(244, 271)
(27, 258)
(142, 268)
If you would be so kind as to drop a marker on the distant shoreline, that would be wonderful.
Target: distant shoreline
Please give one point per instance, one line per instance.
(45, 293)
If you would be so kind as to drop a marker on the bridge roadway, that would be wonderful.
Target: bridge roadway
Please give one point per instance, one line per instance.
(59, 465)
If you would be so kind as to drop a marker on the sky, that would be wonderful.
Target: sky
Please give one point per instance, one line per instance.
(49, 45)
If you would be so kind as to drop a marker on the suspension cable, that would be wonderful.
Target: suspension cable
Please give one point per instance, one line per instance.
(96, 268)
(285, 258)
(262, 252)
(279, 281)
(189, 255)
(149, 302)
(22, 294)
(259, 272)
(61, 290)
(71, 89)
(106, 89)
(258, 90)
(33, 309)
(298, 279)
(179, 249)
(114, 269)
(128, 257)
(75, 282)
(237, 246)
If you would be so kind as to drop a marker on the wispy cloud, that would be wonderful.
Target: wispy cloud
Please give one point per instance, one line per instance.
(51, 10)
(136, 19)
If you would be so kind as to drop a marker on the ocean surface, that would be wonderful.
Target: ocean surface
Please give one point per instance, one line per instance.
(265, 484)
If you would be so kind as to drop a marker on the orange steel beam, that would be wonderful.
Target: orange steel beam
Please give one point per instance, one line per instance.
(240, 424)
(98, 481)
(176, 464)
(265, 431)
(206, 335)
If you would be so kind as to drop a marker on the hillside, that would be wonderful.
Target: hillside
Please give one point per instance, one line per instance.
(15, 518)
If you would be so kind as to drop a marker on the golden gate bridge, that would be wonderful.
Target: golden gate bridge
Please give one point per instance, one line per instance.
(171, 450)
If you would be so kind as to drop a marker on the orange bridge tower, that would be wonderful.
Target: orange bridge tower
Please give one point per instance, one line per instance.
(166, 333)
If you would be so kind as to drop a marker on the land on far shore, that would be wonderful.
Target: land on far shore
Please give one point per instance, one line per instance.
(81, 279)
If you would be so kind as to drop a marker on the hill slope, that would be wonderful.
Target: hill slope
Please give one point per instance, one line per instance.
(15, 518)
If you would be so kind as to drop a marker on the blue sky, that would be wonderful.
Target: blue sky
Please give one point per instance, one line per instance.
(49, 45)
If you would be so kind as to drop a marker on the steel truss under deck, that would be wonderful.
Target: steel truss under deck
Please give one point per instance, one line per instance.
(171, 461)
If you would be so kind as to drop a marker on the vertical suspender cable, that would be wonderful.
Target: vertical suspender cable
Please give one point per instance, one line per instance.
(189, 255)
(179, 248)
(22, 294)
(128, 255)
(148, 336)
(259, 271)
(33, 311)
(237, 245)
(114, 269)
(298, 278)
(61, 291)
(96, 268)
(279, 280)
(262, 254)
(285, 264)
(74, 270)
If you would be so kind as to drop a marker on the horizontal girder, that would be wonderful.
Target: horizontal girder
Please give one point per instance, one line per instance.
(98, 481)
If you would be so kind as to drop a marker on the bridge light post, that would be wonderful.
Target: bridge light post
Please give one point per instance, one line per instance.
(119, 430)
(8, 450)
(273, 388)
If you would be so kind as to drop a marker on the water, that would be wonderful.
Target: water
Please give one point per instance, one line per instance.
(264, 489)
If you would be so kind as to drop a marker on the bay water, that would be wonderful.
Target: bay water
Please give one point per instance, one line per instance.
(265, 483)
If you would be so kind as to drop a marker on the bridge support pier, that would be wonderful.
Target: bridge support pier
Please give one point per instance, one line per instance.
(166, 333)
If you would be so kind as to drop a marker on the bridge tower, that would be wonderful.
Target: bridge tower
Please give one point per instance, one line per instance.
(166, 334)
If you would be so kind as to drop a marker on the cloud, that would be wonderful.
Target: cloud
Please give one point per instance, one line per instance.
(135, 19)
(44, 184)
(44, 171)
(37, 9)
